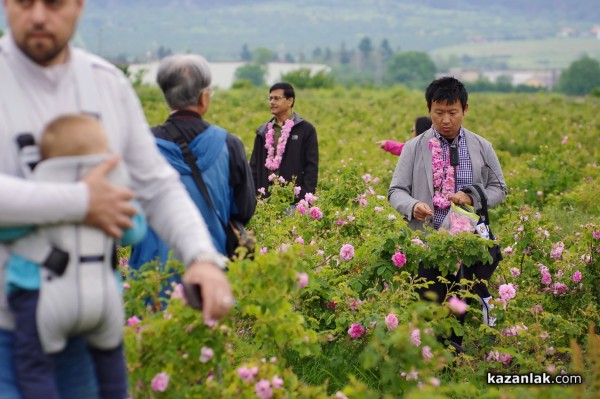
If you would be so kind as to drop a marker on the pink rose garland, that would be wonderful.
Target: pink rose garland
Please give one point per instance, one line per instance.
(274, 156)
(443, 175)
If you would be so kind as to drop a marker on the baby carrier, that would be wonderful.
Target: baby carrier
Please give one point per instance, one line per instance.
(79, 292)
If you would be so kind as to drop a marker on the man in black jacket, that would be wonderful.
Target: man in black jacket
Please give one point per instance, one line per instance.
(218, 155)
(285, 146)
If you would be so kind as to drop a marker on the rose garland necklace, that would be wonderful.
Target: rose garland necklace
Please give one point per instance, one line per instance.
(275, 155)
(443, 175)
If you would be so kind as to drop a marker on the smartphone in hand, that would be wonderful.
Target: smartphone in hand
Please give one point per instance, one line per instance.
(193, 294)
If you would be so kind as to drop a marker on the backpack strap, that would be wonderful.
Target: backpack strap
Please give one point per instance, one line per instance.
(190, 159)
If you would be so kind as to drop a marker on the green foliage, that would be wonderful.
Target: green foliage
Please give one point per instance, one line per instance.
(302, 79)
(411, 68)
(580, 78)
(253, 72)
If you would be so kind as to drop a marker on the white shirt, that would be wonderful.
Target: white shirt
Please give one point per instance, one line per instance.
(50, 92)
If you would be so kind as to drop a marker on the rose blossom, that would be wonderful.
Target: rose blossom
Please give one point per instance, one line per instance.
(415, 337)
(263, 389)
(399, 259)
(391, 321)
(576, 276)
(133, 321)
(277, 381)
(457, 306)
(160, 382)
(206, 354)
(316, 213)
(507, 291)
(356, 330)
(426, 352)
(247, 374)
(347, 252)
(515, 272)
(302, 280)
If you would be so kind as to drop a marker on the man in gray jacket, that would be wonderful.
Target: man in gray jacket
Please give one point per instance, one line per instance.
(441, 167)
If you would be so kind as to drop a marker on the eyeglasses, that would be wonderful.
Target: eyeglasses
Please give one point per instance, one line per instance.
(210, 91)
(275, 98)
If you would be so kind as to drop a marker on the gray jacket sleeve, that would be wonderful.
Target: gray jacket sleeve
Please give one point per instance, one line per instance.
(400, 193)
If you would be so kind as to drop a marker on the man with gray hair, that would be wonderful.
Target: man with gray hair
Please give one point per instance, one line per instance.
(204, 155)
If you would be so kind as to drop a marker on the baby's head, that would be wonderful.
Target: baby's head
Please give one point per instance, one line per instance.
(71, 135)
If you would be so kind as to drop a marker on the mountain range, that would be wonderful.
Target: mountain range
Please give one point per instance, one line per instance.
(219, 29)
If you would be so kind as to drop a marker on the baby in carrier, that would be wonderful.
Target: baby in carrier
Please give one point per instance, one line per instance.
(61, 279)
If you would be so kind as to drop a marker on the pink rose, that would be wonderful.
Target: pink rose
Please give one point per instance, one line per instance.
(426, 352)
(415, 337)
(347, 252)
(515, 272)
(577, 276)
(391, 321)
(316, 213)
(277, 382)
(206, 354)
(399, 259)
(507, 291)
(263, 389)
(356, 330)
(302, 280)
(160, 382)
(133, 321)
(457, 306)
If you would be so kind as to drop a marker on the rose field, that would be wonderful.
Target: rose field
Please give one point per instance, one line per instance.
(328, 308)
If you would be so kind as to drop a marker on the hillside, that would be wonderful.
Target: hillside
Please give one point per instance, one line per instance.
(220, 29)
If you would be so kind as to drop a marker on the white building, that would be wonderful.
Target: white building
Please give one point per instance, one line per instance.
(223, 73)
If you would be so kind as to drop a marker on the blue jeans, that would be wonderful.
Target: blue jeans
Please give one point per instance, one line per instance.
(74, 370)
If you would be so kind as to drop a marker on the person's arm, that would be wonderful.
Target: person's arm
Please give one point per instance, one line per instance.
(495, 186)
(311, 163)
(241, 180)
(393, 147)
(254, 160)
(24, 202)
(401, 186)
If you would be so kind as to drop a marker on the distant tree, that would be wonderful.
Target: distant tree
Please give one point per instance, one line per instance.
(302, 79)
(252, 72)
(365, 47)
(245, 55)
(411, 68)
(163, 52)
(328, 55)
(262, 56)
(386, 51)
(317, 54)
(345, 56)
(1, 33)
(580, 78)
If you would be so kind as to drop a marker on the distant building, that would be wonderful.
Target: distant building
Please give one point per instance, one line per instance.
(596, 31)
(566, 32)
(532, 77)
(223, 73)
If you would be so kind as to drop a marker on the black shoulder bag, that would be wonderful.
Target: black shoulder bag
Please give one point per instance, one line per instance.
(234, 230)
(484, 271)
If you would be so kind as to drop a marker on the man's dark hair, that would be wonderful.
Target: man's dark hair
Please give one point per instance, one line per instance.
(288, 90)
(447, 89)
(422, 124)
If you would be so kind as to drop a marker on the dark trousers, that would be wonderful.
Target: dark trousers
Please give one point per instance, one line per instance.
(477, 271)
(35, 370)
